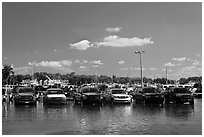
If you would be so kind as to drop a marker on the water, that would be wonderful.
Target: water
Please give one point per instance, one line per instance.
(71, 119)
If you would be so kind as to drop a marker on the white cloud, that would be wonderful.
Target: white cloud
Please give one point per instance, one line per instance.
(52, 64)
(85, 61)
(179, 59)
(121, 62)
(153, 69)
(77, 61)
(55, 50)
(22, 70)
(197, 63)
(66, 63)
(96, 62)
(82, 45)
(170, 64)
(116, 41)
(83, 68)
(116, 29)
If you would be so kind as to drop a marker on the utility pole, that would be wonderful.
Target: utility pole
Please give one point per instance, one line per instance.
(166, 76)
(140, 53)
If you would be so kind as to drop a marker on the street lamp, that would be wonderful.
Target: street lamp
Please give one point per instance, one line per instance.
(140, 53)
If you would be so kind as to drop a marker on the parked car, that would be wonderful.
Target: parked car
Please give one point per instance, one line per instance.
(13, 91)
(69, 92)
(54, 96)
(179, 95)
(4, 95)
(148, 95)
(88, 94)
(198, 90)
(120, 96)
(24, 95)
(198, 93)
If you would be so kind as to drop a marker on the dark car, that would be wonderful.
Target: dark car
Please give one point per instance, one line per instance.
(198, 92)
(54, 96)
(148, 95)
(88, 95)
(69, 92)
(24, 95)
(178, 95)
(13, 91)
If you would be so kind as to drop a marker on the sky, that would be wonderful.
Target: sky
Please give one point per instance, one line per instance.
(101, 38)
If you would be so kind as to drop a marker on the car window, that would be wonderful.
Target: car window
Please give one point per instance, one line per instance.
(54, 92)
(90, 90)
(181, 90)
(118, 92)
(149, 90)
(25, 90)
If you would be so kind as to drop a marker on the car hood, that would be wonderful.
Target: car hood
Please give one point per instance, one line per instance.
(91, 94)
(55, 95)
(183, 94)
(120, 95)
(152, 94)
(26, 94)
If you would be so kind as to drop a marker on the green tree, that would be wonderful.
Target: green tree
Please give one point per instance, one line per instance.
(7, 71)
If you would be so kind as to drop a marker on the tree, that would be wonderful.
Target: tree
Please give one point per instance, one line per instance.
(7, 71)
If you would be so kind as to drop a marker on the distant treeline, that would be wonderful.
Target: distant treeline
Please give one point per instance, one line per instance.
(8, 77)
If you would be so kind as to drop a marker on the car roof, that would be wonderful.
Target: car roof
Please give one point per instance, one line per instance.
(54, 89)
(86, 87)
(117, 89)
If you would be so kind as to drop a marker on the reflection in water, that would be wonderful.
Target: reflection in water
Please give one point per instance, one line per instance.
(179, 111)
(25, 112)
(102, 120)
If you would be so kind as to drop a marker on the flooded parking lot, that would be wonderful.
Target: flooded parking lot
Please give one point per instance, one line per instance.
(71, 119)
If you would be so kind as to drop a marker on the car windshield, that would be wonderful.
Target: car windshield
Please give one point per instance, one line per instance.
(181, 90)
(54, 92)
(90, 90)
(25, 90)
(149, 90)
(118, 92)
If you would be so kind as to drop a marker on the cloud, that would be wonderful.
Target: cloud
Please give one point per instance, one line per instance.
(179, 59)
(171, 64)
(121, 62)
(83, 68)
(153, 69)
(96, 62)
(52, 64)
(77, 61)
(116, 41)
(22, 70)
(84, 61)
(124, 69)
(197, 63)
(116, 29)
(82, 45)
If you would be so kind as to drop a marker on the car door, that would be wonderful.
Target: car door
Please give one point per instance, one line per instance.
(139, 96)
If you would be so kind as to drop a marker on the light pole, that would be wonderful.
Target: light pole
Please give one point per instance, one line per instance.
(140, 53)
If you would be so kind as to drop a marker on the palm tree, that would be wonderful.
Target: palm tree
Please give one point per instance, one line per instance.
(6, 72)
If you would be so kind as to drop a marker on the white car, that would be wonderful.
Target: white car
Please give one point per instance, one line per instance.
(120, 96)
(54, 96)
